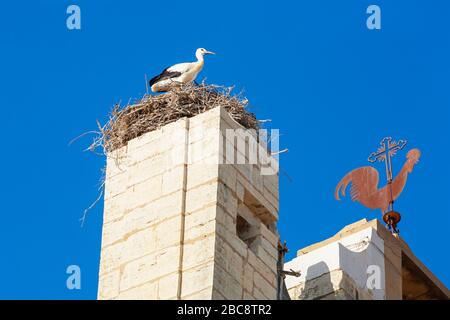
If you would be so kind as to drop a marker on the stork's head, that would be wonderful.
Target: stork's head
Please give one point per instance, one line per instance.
(413, 157)
(200, 52)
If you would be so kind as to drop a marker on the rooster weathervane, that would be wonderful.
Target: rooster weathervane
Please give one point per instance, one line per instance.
(364, 181)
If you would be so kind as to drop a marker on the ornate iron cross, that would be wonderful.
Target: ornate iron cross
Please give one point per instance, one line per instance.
(388, 148)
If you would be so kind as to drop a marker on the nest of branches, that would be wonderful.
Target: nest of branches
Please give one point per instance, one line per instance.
(153, 112)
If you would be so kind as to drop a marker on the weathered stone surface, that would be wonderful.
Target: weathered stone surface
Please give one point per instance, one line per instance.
(146, 291)
(109, 285)
(229, 287)
(200, 223)
(247, 278)
(201, 196)
(201, 173)
(334, 285)
(229, 259)
(171, 207)
(198, 251)
(168, 286)
(135, 246)
(149, 267)
(198, 278)
(267, 289)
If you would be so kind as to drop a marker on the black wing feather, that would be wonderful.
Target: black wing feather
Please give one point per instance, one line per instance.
(164, 75)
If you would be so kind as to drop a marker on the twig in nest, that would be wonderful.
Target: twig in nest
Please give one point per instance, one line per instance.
(278, 152)
(153, 112)
(83, 218)
(82, 135)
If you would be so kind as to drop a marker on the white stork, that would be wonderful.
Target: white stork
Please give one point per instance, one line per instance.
(179, 73)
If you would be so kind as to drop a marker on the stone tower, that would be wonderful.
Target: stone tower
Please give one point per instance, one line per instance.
(182, 221)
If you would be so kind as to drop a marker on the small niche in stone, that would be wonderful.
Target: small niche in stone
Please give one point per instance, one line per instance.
(245, 231)
(248, 227)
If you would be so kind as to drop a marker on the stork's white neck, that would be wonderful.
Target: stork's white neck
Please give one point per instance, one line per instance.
(199, 56)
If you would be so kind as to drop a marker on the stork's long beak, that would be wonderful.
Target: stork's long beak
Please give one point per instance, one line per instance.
(209, 52)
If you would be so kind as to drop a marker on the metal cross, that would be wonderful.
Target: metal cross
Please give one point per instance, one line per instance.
(388, 148)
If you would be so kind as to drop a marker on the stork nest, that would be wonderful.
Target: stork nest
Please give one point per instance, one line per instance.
(155, 111)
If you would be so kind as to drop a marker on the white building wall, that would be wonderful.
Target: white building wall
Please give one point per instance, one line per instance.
(355, 254)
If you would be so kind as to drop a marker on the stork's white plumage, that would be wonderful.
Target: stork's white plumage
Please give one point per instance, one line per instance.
(179, 73)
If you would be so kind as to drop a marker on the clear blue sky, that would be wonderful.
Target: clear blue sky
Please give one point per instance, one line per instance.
(331, 86)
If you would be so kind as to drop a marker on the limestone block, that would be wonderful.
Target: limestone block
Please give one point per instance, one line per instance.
(229, 259)
(216, 295)
(248, 296)
(259, 295)
(197, 278)
(226, 198)
(135, 245)
(266, 271)
(256, 179)
(229, 287)
(108, 287)
(268, 247)
(204, 149)
(149, 267)
(167, 233)
(200, 223)
(148, 168)
(146, 291)
(178, 155)
(115, 208)
(267, 289)
(150, 215)
(339, 294)
(270, 236)
(145, 152)
(247, 278)
(198, 251)
(204, 294)
(173, 180)
(245, 171)
(201, 196)
(225, 220)
(270, 198)
(251, 190)
(200, 129)
(175, 132)
(267, 259)
(228, 175)
(240, 191)
(210, 118)
(237, 244)
(141, 218)
(144, 192)
(116, 185)
(319, 287)
(145, 140)
(168, 286)
(200, 173)
(272, 189)
(158, 142)
(271, 182)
